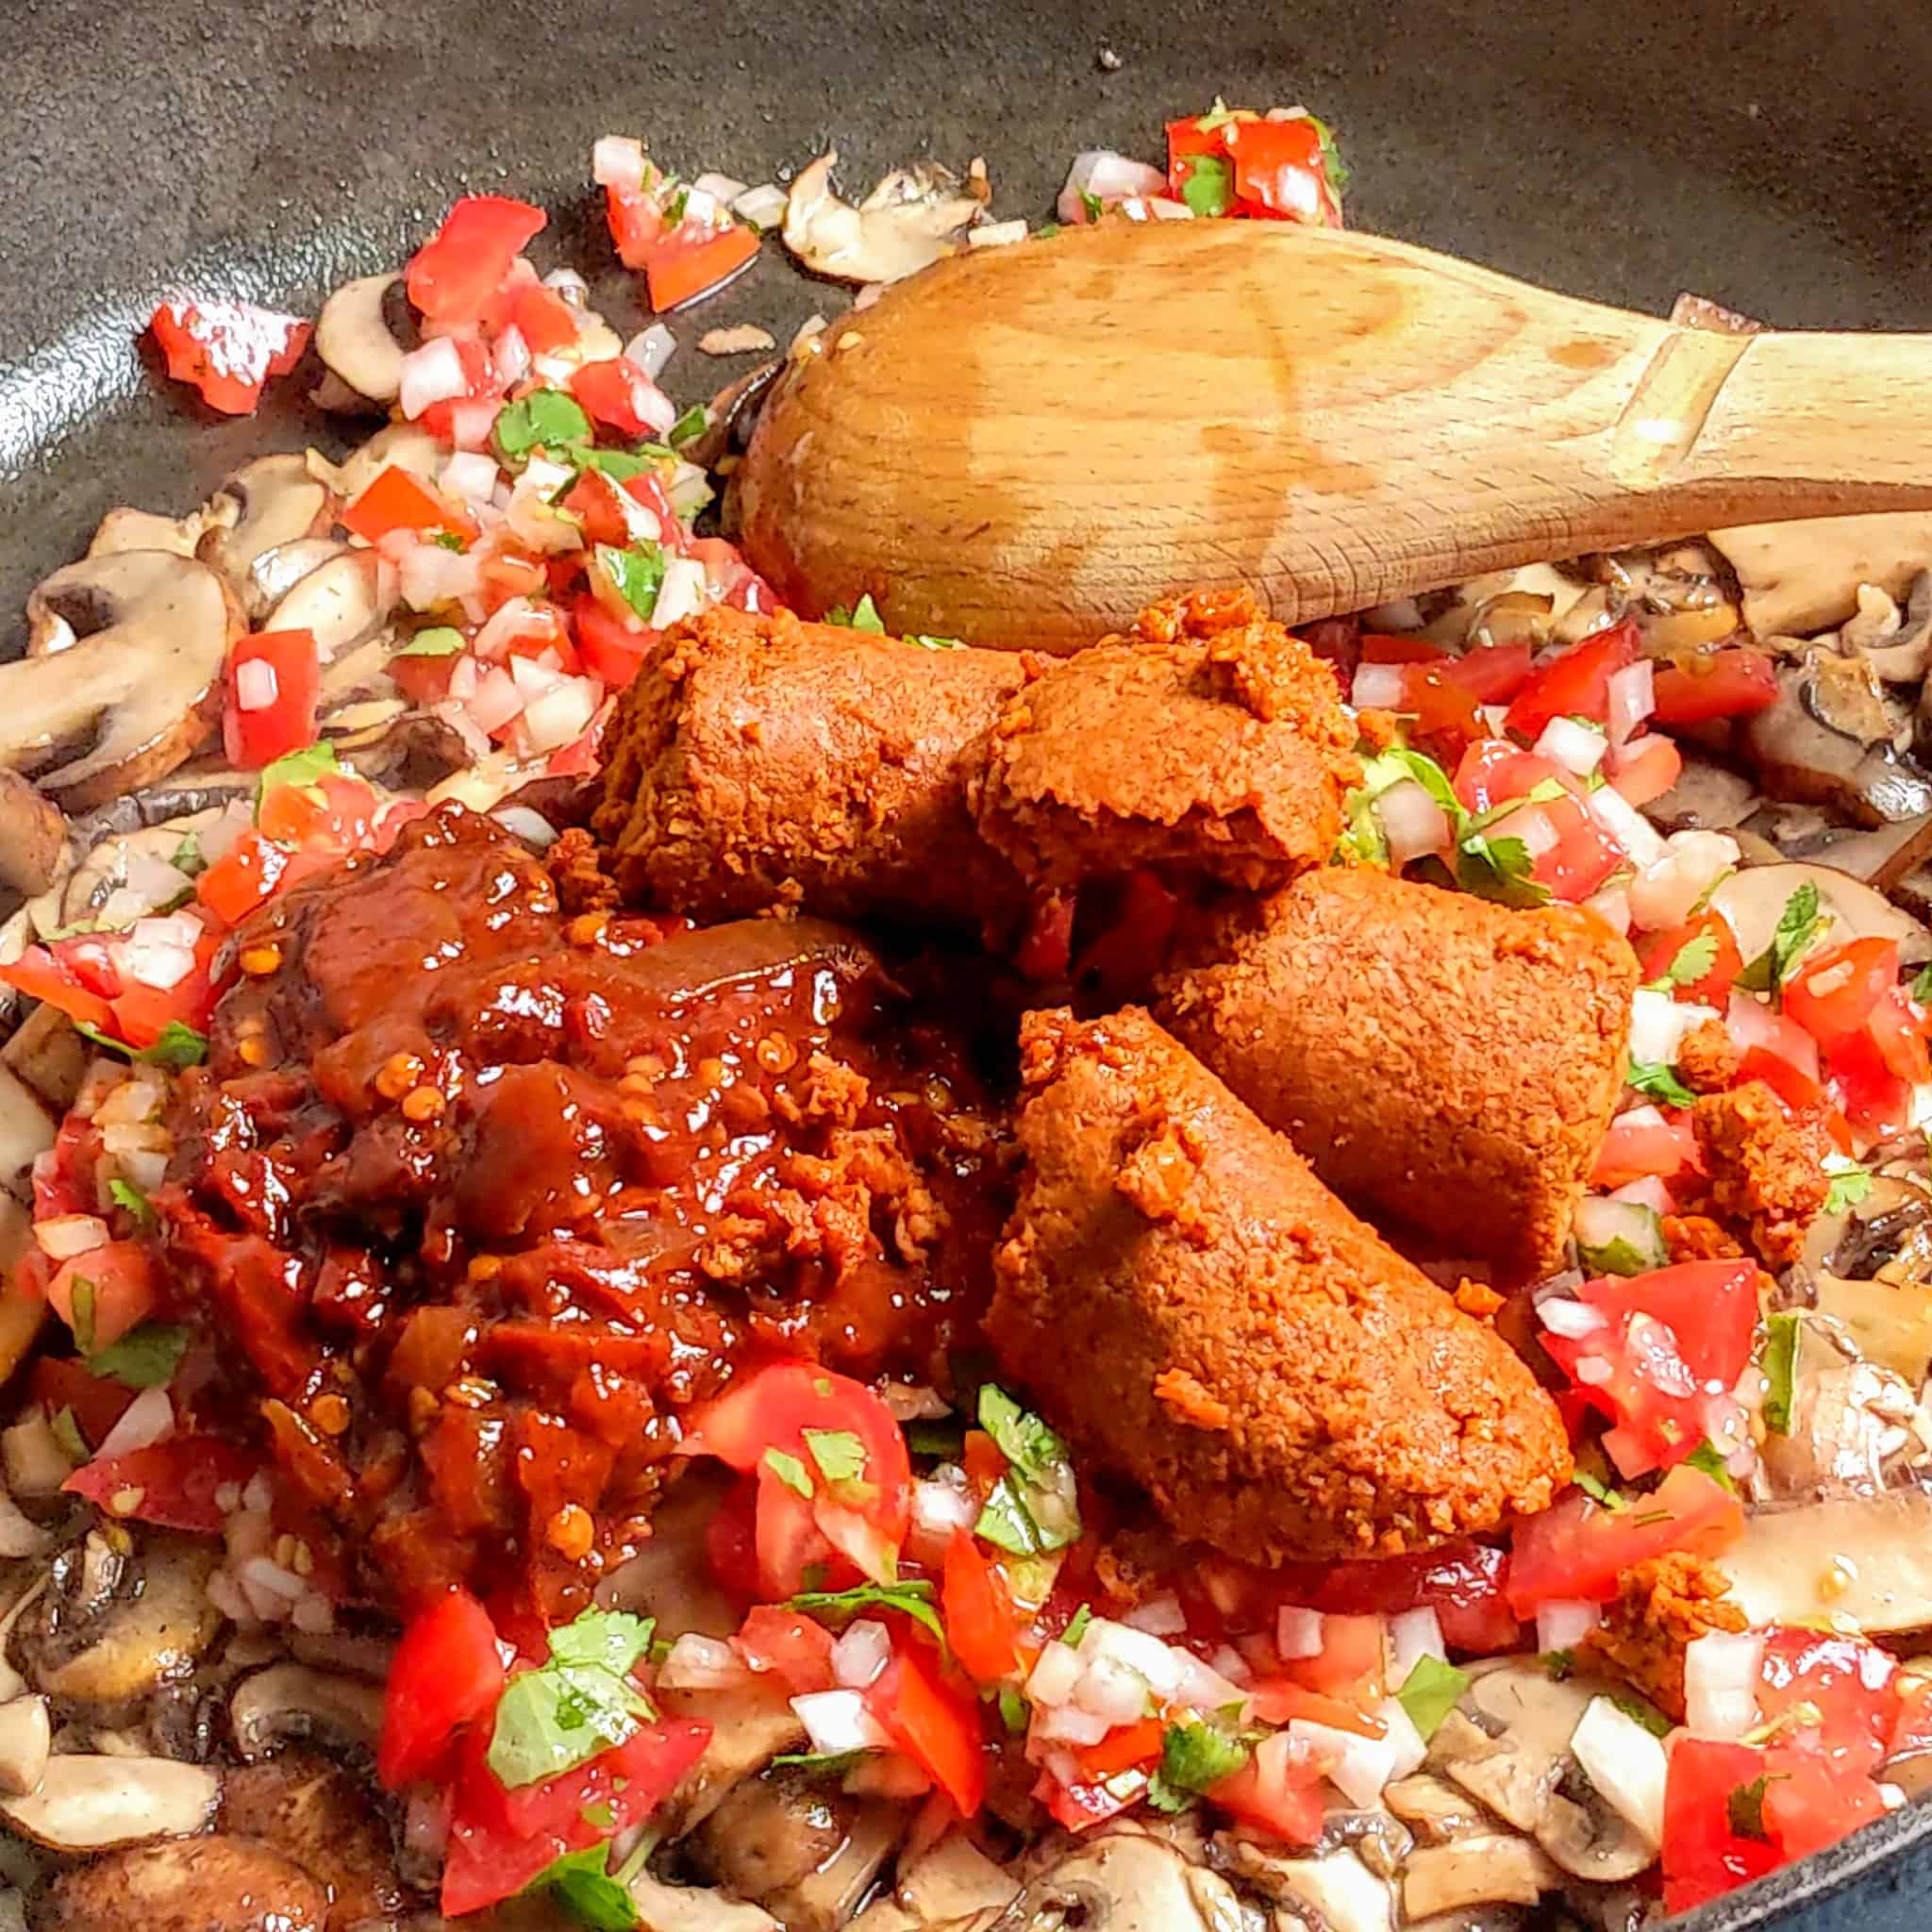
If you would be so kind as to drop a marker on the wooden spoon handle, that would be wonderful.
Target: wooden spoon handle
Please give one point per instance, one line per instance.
(1026, 445)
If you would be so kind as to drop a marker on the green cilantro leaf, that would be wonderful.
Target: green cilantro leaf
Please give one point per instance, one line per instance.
(837, 1607)
(1338, 171)
(1693, 961)
(1796, 927)
(446, 540)
(1499, 869)
(577, 1704)
(434, 641)
(1646, 1714)
(144, 1358)
(1012, 1709)
(1780, 1367)
(1195, 1756)
(693, 423)
(545, 419)
(1034, 1507)
(82, 1303)
(1599, 1491)
(1429, 1692)
(613, 1640)
(67, 1433)
(1560, 1664)
(1209, 187)
(179, 1045)
(1849, 1186)
(1922, 986)
(1745, 1807)
(1661, 1082)
(864, 615)
(125, 1194)
(1090, 205)
(582, 1883)
(943, 1438)
(621, 465)
(302, 767)
(1704, 1456)
(1364, 839)
(635, 573)
(1020, 1436)
(839, 1453)
(825, 1763)
(187, 858)
(790, 1471)
(1077, 1626)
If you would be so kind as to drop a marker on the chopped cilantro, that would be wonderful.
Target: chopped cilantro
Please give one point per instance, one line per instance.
(125, 1194)
(1077, 1626)
(582, 1883)
(1012, 1709)
(1046, 231)
(1338, 171)
(1599, 1491)
(577, 1704)
(1922, 986)
(864, 615)
(1780, 1367)
(1659, 1082)
(790, 1471)
(1033, 1507)
(1694, 958)
(1849, 1186)
(82, 1320)
(1651, 1518)
(67, 1433)
(1092, 206)
(1430, 1693)
(1745, 1807)
(544, 419)
(912, 1598)
(179, 1045)
(1704, 1456)
(839, 1453)
(945, 1439)
(621, 465)
(695, 422)
(1209, 187)
(1558, 1664)
(1020, 1436)
(446, 540)
(1797, 925)
(1195, 1756)
(144, 1358)
(186, 855)
(824, 1763)
(635, 573)
(1363, 840)
(1644, 1713)
(1499, 869)
(1795, 1717)
(302, 767)
(435, 641)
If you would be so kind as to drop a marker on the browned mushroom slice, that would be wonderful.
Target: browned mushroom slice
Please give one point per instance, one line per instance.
(122, 676)
(909, 221)
(1753, 899)
(1832, 739)
(275, 500)
(313, 1812)
(1131, 1881)
(211, 1885)
(357, 345)
(1868, 1559)
(340, 603)
(290, 1701)
(1496, 1870)
(1708, 797)
(407, 446)
(1801, 577)
(1881, 856)
(33, 840)
(90, 1804)
(276, 572)
(144, 529)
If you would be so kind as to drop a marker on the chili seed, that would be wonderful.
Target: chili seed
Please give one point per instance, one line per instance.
(254, 1051)
(259, 961)
(399, 1073)
(423, 1104)
(330, 1414)
(125, 1501)
(571, 1532)
(587, 928)
(485, 1267)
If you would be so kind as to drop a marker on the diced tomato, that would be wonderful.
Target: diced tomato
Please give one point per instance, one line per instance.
(63, 1177)
(1080, 1808)
(977, 1610)
(1350, 1663)
(447, 1671)
(1492, 772)
(1898, 1032)
(1712, 989)
(335, 816)
(177, 1483)
(1281, 171)
(1874, 1099)
(480, 382)
(1851, 1682)
(544, 320)
(41, 974)
(1725, 683)
(113, 1286)
(243, 878)
(1379, 648)
(787, 1643)
(635, 216)
(935, 1724)
(452, 277)
(61, 1382)
(1635, 1147)
(1584, 856)
(1579, 1548)
(256, 735)
(143, 1013)
(1281, 1700)
(592, 500)
(1709, 1306)
(621, 396)
(396, 500)
(1123, 1748)
(1644, 770)
(1461, 1582)
(780, 1409)
(1810, 1804)
(227, 350)
(1574, 685)
(683, 266)
(1832, 995)
(1797, 1089)
(1704, 1855)
(1268, 1793)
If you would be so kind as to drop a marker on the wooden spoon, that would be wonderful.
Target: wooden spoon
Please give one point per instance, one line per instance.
(1023, 445)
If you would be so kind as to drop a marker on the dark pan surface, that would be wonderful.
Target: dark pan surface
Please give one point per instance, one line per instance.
(1761, 152)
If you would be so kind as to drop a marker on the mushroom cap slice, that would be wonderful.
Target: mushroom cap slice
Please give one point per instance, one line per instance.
(154, 1635)
(89, 1803)
(339, 601)
(317, 1814)
(284, 1701)
(1803, 576)
(275, 500)
(1784, 1569)
(1831, 738)
(134, 694)
(352, 337)
(1125, 1881)
(33, 838)
(1753, 899)
(221, 1884)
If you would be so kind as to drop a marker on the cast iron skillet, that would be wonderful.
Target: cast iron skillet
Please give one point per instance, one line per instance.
(1622, 149)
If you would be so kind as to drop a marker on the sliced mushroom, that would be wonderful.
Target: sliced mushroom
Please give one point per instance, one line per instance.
(407, 751)
(33, 840)
(906, 224)
(406, 445)
(668, 1578)
(340, 603)
(1708, 797)
(87, 1803)
(1125, 1881)
(1896, 643)
(26, 1131)
(356, 344)
(185, 802)
(133, 694)
(1866, 1559)
(288, 1702)
(22, 1313)
(276, 572)
(953, 1879)
(1848, 1422)
(219, 1884)
(1433, 1808)
(27, 1738)
(114, 1628)
(751, 1724)
(1889, 1321)
(1676, 597)
(315, 1814)
(122, 879)
(1753, 900)
(1335, 1890)
(1801, 577)
(47, 1055)
(697, 1908)
(1879, 856)
(1474, 1871)
(143, 529)
(275, 501)
(1831, 738)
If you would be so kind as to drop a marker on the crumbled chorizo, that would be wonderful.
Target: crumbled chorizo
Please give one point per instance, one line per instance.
(577, 866)
(1707, 1059)
(1662, 1604)
(1698, 1238)
(1765, 1167)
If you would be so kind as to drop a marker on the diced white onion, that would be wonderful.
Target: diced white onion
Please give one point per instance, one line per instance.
(570, 284)
(1721, 1672)
(255, 688)
(469, 476)
(471, 419)
(510, 356)
(495, 700)
(147, 1420)
(1612, 906)
(838, 1720)
(1111, 1691)
(1577, 747)
(1593, 1371)
(939, 1508)
(1159, 1616)
(1412, 821)
(62, 1237)
(700, 205)
(1055, 1675)
(681, 593)
(1562, 1625)
(1648, 1191)
(1203, 1688)
(1535, 827)
(1562, 1315)
(1625, 1763)
(160, 963)
(763, 206)
(1106, 177)
(1164, 208)
(1685, 869)
(1376, 686)
(533, 678)
(617, 161)
(699, 1663)
(1642, 842)
(431, 374)
(514, 618)
(560, 716)
(996, 234)
(429, 575)
(860, 1653)
(1297, 1633)
(1068, 1724)
(1360, 1767)
(1632, 699)
(719, 187)
(1659, 1024)
(651, 348)
(1412, 1636)
(1147, 1657)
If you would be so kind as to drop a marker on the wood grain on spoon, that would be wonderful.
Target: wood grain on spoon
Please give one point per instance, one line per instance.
(1027, 445)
